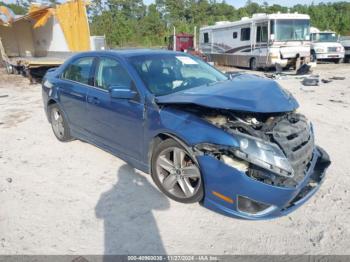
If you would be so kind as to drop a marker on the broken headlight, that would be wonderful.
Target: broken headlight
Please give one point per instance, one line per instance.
(48, 84)
(320, 50)
(263, 154)
(238, 164)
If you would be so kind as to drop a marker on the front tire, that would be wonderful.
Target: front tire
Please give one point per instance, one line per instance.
(339, 61)
(313, 57)
(253, 64)
(9, 68)
(176, 173)
(59, 124)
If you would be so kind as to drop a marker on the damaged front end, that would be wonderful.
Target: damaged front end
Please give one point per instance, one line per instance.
(275, 168)
(275, 148)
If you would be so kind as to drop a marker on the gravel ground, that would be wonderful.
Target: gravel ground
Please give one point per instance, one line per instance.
(73, 198)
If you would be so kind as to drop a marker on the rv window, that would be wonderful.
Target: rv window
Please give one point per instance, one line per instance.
(292, 29)
(206, 38)
(245, 34)
(234, 35)
(264, 34)
(272, 27)
(258, 34)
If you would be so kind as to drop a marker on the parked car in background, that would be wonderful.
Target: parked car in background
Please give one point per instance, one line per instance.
(233, 143)
(325, 46)
(345, 41)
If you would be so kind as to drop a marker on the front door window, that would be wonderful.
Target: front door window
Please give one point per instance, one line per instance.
(111, 73)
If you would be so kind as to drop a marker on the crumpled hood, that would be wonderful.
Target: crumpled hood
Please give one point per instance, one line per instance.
(244, 92)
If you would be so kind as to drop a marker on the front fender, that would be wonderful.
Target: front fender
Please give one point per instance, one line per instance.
(51, 96)
(187, 127)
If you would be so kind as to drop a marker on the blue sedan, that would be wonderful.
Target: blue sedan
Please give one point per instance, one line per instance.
(234, 143)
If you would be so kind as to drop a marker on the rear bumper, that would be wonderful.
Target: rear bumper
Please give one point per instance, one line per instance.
(232, 183)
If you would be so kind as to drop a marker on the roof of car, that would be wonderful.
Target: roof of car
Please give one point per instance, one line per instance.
(135, 52)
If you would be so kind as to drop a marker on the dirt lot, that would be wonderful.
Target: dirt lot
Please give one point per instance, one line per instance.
(73, 198)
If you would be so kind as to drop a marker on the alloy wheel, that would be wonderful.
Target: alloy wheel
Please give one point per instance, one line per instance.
(178, 173)
(57, 122)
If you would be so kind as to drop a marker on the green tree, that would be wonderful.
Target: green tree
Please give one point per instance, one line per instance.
(152, 27)
(131, 23)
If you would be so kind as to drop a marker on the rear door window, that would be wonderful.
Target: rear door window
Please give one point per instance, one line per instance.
(80, 71)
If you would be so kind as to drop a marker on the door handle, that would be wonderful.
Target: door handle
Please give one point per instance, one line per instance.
(93, 100)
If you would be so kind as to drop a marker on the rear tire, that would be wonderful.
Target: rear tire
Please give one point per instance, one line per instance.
(59, 123)
(253, 64)
(176, 173)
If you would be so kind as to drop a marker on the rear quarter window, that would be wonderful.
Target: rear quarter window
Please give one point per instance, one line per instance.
(79, 70)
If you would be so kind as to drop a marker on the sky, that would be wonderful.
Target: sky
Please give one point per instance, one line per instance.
(240, 3)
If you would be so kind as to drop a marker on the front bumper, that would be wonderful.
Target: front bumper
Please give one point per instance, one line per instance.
(45, 93)
(329, 55)
(232, 183)
(288, 61)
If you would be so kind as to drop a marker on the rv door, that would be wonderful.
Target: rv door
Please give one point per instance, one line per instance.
(261, 47)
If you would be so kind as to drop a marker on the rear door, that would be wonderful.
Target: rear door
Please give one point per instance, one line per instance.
(116, 123)
(74, 83)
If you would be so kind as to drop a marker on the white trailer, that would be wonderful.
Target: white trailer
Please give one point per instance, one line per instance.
(261, 41)
(325, 46)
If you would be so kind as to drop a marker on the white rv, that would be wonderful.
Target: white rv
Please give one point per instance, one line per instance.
(259, 42)
(325, 46)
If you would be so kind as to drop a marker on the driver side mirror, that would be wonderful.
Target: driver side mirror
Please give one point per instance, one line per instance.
(122, 92)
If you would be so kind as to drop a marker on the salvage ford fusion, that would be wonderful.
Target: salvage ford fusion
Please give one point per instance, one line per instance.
(233, 143)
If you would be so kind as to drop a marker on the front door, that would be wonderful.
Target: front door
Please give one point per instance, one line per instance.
(261, 43)
(115, 122)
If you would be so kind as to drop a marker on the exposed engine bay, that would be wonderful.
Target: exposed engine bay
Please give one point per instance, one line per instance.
(290, 131)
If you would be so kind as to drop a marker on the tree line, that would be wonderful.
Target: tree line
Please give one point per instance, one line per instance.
(132, 23)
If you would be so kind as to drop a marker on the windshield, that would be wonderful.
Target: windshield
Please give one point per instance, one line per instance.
(344, 38)
(291, 29)
(324, 37)
(165, 74)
